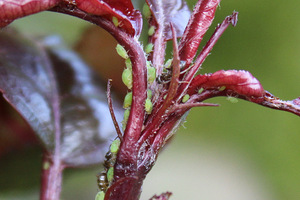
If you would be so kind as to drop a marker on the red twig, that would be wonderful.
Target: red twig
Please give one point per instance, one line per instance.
(111, 110)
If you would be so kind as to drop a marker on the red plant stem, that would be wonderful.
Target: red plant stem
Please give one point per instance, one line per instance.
(204, 53)
(157, 118)
(198, 24)
(51, 179)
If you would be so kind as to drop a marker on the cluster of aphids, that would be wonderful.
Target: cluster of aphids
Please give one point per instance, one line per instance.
(127, 80)
(106, 177)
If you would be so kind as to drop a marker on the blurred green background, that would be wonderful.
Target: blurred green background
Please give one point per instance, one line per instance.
(236, 151)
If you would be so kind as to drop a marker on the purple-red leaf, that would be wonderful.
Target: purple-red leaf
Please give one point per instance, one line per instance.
(170, 11)
(59, 96)
(200, 21)
(13, 9)
(129, 18)
(241, 82)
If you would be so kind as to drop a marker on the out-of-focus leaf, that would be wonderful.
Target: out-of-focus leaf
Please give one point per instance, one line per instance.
(56, 93)
(15, 133)
(170, 11)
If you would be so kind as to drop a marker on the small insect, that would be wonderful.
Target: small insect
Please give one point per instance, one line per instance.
(185, 98)
(100, 195)
(102, 181)
(232, 99)
(166, 75)
(125, 119)
(151, 72)
(222, 88)
(121, 51)
(114, 147)
(127, 78)
(146, 11)
(127, 100)
(148, 106)
(110, 174)
(200, 90)
(149, 94)
(149, 48)
(151, 30)
(115, 21)
(128, 63)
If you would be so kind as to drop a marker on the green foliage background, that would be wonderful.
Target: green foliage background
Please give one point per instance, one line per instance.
(262, 143)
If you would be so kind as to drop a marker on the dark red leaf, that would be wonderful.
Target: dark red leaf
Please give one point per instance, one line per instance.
(13, 9)
(200, 21)
(59, 96)
(170, 11)
(242, 82)
(129, 18)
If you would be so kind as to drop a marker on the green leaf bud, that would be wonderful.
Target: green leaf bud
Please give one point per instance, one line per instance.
(185, 98)
(127, 78)
(127, 100)
(121, 51)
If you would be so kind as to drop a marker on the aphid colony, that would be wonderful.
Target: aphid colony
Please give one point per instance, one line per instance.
(127, 80)
(105, 178)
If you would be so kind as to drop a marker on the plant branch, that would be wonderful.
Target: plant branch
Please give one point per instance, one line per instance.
(111, 110)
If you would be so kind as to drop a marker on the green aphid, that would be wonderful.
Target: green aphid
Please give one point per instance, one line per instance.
(148, 63)
(200, 90)
(168, 63)
(114, 147)
(149, 94)
(149, 48)
(222, 88)
(128, 63)
(100, 196)
(232, 99)
(121, 51)
(110, 174)
(125, 119)
(185, 98)
(151, 72)
(146, 11)
(115, 21)
(127, 78)
(151, 30)
(46, 165)
(127, 100)
(148, 106)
